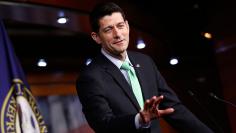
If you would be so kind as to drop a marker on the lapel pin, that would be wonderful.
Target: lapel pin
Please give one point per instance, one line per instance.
(137, 65)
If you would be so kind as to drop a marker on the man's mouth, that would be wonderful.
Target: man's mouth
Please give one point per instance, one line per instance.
(117, 42)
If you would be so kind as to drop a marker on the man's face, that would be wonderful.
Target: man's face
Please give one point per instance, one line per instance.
(113, 34)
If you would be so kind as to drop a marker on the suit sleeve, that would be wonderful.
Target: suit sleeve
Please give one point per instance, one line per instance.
(96, 107)
(182, 119)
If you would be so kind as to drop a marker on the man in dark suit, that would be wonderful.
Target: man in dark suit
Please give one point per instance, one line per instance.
(111, 102)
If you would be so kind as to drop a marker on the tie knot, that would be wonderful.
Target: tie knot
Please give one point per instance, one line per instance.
(125, 66)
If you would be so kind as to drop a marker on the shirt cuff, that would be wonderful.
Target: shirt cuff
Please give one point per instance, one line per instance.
(139, 125)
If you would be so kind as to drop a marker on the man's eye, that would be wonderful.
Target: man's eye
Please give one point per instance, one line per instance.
(107, 30)
(121, 26)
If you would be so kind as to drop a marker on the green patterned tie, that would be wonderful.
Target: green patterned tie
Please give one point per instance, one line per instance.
(134, 82)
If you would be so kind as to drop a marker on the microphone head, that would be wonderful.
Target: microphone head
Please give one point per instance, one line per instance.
(190, 93)
(213, 95)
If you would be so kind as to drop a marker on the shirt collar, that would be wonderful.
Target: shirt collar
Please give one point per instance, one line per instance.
(114, 60)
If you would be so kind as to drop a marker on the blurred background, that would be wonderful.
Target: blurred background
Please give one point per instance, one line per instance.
(191, 41)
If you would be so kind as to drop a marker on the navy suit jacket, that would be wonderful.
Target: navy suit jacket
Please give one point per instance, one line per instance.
(110, 106)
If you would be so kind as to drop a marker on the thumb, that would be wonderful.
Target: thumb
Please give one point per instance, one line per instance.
(165, 111)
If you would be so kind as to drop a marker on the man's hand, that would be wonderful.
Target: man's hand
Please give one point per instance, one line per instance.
(151, 110)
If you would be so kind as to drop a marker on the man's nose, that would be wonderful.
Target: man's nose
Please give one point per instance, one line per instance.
(116, 33)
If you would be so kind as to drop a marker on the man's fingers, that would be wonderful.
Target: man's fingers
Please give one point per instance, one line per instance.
(157, 101)
(146, 105)
(160, 98)
(165, 112)
(145, 118)
(152, 101)
(149, 103)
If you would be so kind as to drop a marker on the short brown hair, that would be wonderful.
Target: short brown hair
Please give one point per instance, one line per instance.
(102, 10)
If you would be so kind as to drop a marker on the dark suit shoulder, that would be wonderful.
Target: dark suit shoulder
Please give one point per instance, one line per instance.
(137, 54)
(90, 68)
(139, 58)
(97, 65)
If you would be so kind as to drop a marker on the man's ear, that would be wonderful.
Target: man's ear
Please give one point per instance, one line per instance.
(96, 38)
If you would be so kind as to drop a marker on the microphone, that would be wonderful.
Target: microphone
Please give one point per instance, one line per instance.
(221, 100)
(211, 118)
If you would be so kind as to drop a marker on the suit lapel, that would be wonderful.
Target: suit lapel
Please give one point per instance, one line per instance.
(112, 70)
